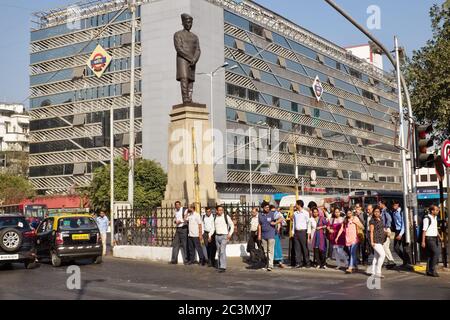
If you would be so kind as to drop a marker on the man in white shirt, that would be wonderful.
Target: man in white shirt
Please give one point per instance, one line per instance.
(195, 235)
(208, 225)
(430, 240)
(300, 233)
(181, 233)
(223, 228)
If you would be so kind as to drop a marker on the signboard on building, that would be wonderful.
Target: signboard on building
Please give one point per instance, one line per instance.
(99, 61)
(317, 88)
(445, 153)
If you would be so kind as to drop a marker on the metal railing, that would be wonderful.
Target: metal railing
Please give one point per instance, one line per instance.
(156, 227)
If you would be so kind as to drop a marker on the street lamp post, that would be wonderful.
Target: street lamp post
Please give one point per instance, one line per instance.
(211, 76)
(132, 7)
(111, 172)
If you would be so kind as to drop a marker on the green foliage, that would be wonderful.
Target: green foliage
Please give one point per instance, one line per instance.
(14, 188)
(150, 183)
(428, 74)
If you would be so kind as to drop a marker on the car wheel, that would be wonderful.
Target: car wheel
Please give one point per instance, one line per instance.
(31, 264)
(10, 239)
(98, 260)
(56, 261)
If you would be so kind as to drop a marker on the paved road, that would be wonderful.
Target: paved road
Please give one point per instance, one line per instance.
(128, 279)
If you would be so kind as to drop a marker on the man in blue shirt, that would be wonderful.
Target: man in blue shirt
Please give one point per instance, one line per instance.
(266, 232)
(103, 223)
(400, 245)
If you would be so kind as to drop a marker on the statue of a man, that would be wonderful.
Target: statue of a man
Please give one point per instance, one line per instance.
(187, 46)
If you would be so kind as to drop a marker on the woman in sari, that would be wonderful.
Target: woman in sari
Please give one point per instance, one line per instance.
(319, 242)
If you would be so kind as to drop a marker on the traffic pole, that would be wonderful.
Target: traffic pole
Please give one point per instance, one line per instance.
(448, 213)
(406, 216)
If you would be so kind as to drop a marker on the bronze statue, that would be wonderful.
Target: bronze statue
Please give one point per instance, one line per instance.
(187, 46)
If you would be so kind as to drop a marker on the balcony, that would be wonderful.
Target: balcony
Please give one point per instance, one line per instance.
(15, 137)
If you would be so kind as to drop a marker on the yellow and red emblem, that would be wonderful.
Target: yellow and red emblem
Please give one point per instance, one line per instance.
(99, 61)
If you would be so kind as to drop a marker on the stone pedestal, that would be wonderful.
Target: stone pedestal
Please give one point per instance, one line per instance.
(180, 183)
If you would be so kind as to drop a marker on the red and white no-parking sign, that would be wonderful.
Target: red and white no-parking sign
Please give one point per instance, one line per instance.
(445, 153)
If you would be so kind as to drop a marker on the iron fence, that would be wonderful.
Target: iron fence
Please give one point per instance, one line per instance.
(156, 226)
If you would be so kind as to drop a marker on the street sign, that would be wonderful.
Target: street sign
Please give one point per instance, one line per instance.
(317, 88)
(445, 153)
(99, 61)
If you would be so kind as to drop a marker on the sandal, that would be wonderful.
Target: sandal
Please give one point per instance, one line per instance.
(349, 270)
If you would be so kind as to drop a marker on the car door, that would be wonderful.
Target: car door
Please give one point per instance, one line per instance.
(44, 237)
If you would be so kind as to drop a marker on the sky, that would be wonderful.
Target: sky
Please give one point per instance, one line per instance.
(408, 19)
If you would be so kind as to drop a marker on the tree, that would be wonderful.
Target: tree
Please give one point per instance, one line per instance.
(428, 74)
(14, 189)
(150, 183)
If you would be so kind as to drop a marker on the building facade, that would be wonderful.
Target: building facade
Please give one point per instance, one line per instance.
(262, 106)
(14, 135)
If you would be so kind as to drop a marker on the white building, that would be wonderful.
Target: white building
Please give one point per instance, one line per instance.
(368, 53)
(14, 134)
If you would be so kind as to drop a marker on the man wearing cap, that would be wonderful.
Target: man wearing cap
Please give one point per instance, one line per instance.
(187, 46)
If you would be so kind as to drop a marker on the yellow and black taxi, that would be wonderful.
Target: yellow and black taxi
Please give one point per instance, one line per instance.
(68, 237)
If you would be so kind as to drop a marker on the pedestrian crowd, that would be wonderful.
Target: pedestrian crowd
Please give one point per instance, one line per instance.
(349, 236)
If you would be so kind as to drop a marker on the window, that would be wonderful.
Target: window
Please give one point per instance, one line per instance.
(433, 177)
(253, 95)
(256, 29)
(236, 91)
(423, 178)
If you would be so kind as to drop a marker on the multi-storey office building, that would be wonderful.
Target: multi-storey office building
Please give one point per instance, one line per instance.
(346, 138)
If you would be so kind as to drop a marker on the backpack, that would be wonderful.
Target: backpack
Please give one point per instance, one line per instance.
(420, 224)
(226, 221)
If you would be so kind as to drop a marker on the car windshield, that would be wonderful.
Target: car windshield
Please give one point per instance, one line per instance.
(16, 222)
(73, 223)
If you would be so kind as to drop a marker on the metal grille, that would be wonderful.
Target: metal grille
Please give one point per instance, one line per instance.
(239, 80)
(61, 183)
(236, 32)
(82, 36)
(81, 132)
(73, 156)
(79, 60)
(282, 114)
(86, 83)
(288, 180)
(156, 227)
(82, 107)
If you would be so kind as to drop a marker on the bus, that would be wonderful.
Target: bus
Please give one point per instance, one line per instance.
(34, 213)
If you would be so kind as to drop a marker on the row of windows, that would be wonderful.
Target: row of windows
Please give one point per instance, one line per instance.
(80, 48)
(82, 24)
(308, 91)
(283, 168)
(80, 95)
(301, 49)
(262, 143)
(267, 99)
(87, 143)
(62, 169)
(93, 117)
(67, 74)
(252, 118)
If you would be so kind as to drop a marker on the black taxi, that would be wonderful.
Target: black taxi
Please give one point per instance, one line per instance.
(68, 237)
